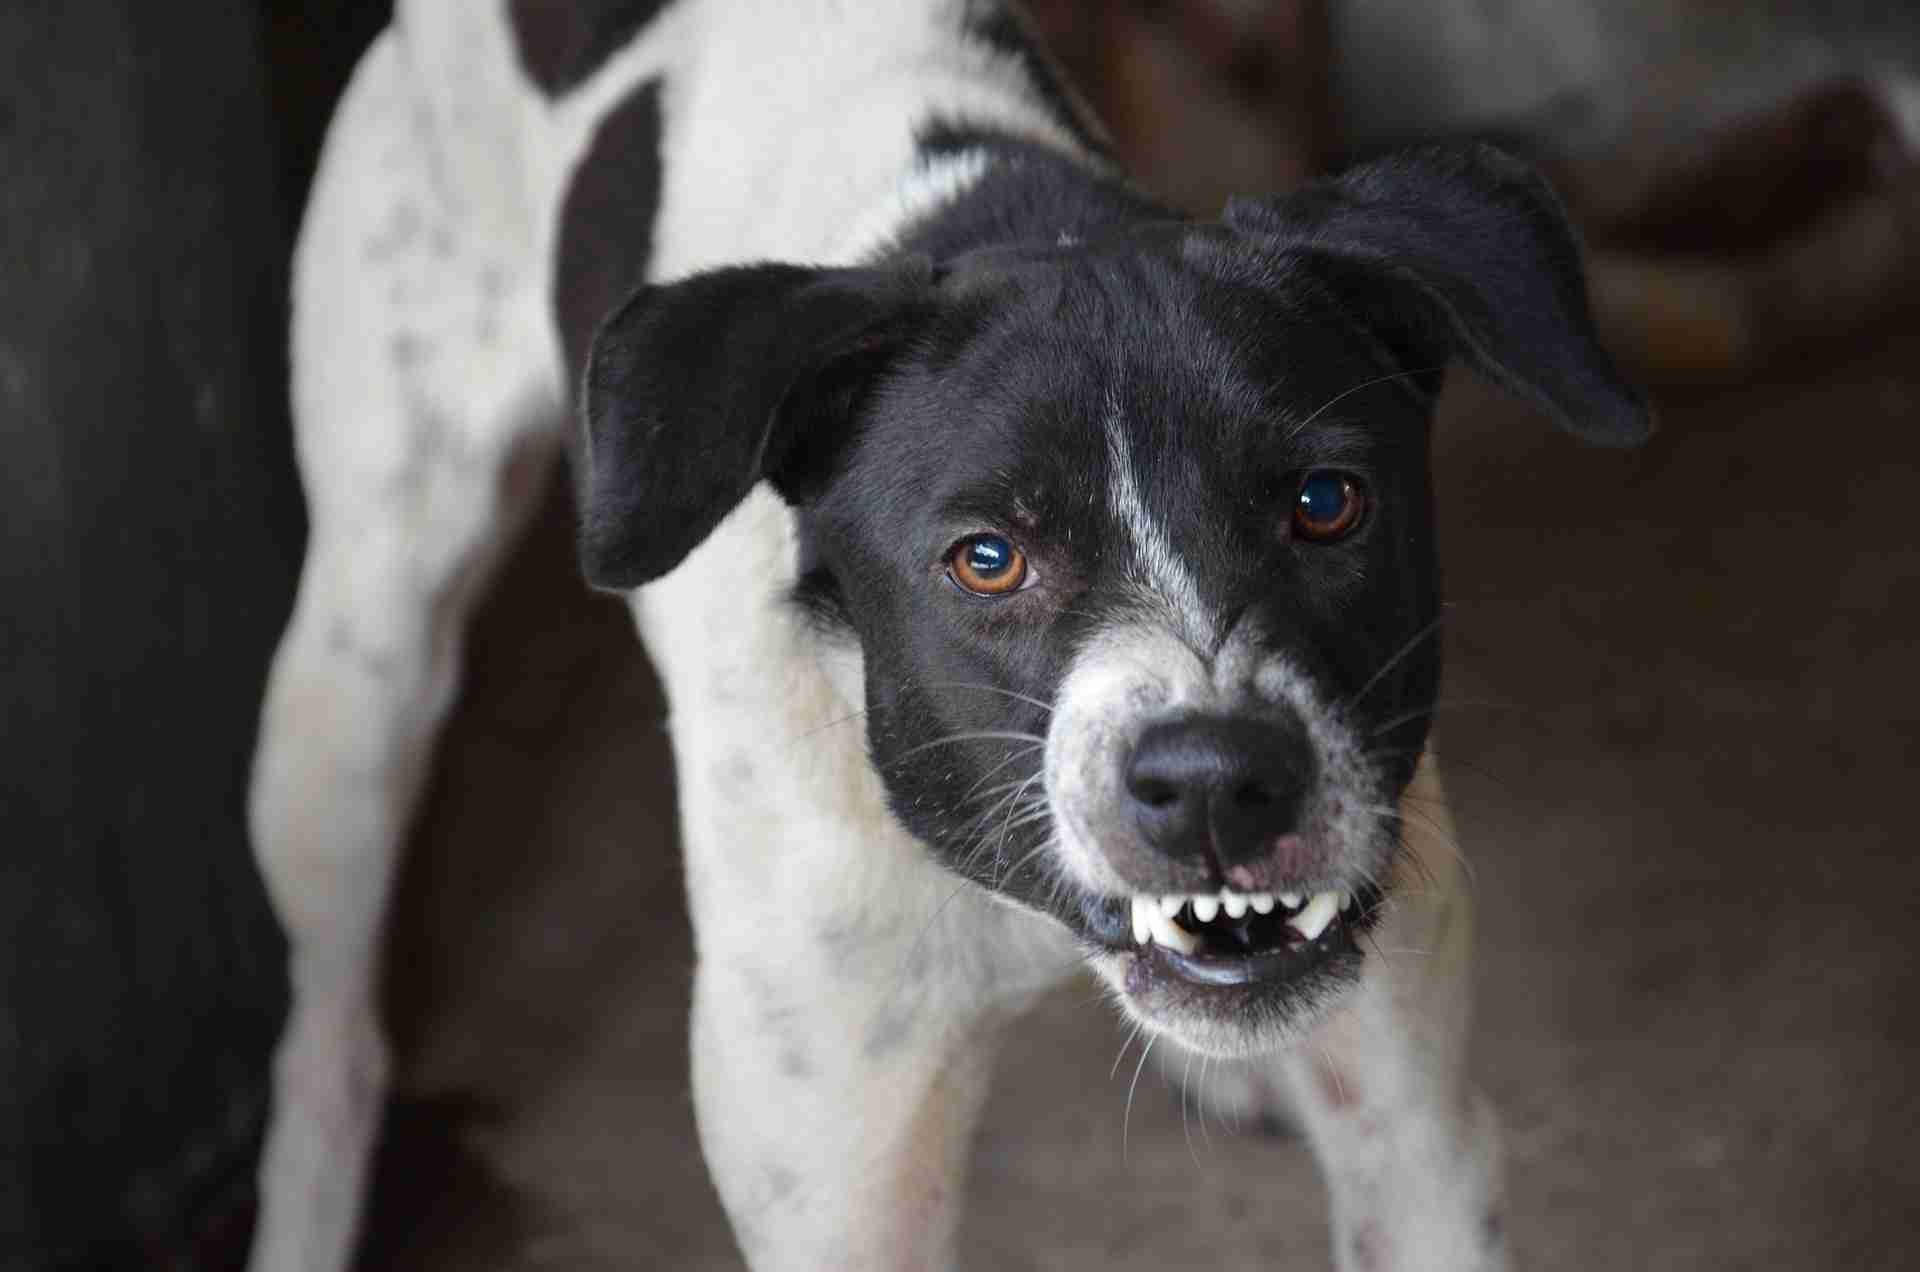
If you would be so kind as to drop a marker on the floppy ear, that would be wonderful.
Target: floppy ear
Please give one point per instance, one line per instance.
(1467, 251)
(697, 390)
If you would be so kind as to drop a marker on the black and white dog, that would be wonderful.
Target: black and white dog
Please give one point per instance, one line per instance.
(1113, 529)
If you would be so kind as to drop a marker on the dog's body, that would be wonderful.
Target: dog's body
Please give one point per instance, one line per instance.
(997, 360)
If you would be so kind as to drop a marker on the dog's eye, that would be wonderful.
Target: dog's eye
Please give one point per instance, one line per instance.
(1330, 506)
(987, 565)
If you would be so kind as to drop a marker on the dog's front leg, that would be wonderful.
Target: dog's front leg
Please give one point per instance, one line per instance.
(1410, 1152)
(836, 1126)
(843, 1036)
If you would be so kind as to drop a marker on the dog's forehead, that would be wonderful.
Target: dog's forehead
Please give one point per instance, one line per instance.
(1049, 384)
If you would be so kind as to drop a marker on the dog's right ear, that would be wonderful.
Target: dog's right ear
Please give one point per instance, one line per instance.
(694, 391)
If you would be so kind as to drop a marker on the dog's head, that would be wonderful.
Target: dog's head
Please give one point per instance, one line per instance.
(1134, 536)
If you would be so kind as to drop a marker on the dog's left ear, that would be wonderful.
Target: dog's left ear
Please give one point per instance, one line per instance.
(697, 390)
(1468, 252)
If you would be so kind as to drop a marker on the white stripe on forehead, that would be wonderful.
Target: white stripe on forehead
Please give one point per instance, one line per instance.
(1167, 574)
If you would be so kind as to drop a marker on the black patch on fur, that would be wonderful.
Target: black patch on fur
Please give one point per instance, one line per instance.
(606, 225)
(698, 390)
(1463, 251)
(996, 422)
(966, 384)
(816, 593)
(563, 42)
(1007, 30)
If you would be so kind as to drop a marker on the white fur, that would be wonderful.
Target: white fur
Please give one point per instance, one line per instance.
(1411, 1153)
(1168, 579)
(848, 990)
(1139, 669)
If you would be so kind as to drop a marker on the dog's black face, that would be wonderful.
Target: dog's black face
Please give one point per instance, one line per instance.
(1135, 538)
(1145, 605)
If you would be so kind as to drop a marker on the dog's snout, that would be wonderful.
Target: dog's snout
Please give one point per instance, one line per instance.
(1230, 784)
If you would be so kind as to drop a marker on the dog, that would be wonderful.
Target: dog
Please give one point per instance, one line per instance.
(1104, 535)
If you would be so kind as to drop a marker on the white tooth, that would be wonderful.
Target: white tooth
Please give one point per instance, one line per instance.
(1313, 920)
(1142, 907)
(1290, 899)
(1346, 900)
(1234, 903)
(1262, 902)
(1171, 934)
(1204, 908)
(1170, 905)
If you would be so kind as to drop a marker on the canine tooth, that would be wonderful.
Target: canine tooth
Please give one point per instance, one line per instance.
(1346, 900)
(1262, 902)
(1171, 934)
(1290, 899)
(1170, 905)
(1142, 907)
(1204, 908)
(1234, 903)
(1313, 920)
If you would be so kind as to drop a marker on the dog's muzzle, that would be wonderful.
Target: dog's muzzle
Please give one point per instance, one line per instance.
(1220, 804)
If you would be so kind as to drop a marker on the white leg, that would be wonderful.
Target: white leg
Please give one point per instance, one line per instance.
(849, 990)
(847, 1009)
(836, 1123)
(424, 429)
(1410, 1153)
(840, 1062)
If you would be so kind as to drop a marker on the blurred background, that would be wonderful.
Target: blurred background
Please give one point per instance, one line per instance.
(1679, 709)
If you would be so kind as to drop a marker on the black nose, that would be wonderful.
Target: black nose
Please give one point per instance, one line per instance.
(1227, 782)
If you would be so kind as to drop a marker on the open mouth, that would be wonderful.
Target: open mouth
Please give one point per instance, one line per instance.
(1231, 938)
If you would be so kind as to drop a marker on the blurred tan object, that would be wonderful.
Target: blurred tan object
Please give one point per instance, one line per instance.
(1205, 98)
(1783, 237)
(1726, 238)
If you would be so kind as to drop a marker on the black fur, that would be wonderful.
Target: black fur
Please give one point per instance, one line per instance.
(996, 422)
(902, 408)
(606, 224)
(563, 42)
(1470, 254)
(696, 391)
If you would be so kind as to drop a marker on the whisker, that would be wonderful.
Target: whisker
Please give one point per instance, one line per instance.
(1412, 643)
(849, 718)
(1297, 429)
(966, 684)
(1126, 1119)
(1127, 1042)
(1186, 1132)
(1201, 1103)
(1438, 707)
(973, 792)
(989, 735)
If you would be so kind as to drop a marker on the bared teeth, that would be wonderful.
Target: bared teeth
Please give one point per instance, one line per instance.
(1150, 924)
(1317, 914)
(1153, 916)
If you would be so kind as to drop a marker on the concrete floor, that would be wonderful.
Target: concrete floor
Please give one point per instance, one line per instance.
(1682, 716)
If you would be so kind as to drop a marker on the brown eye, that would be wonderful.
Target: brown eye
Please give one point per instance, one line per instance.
(1330, 506)
(987, 565)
